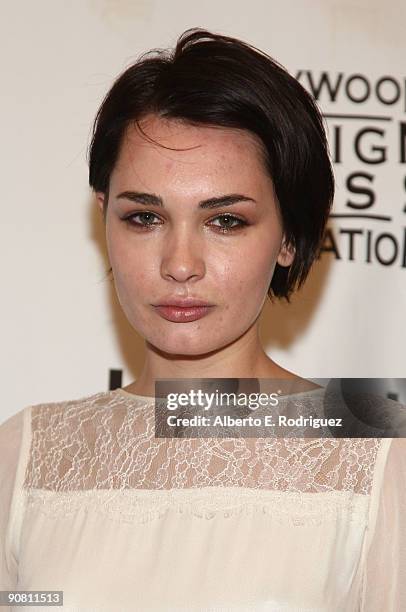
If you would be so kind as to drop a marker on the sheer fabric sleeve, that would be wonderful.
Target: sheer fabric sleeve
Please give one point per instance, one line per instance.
(11, 436)
(384, 579)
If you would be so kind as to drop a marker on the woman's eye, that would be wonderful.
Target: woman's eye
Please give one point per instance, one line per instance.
(228, 220)
(228, 223)
(145, 219)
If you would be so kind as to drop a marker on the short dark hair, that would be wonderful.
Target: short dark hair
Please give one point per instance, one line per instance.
(221, 81)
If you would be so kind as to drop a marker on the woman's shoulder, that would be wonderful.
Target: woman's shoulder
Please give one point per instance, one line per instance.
(10, 428)
(396, 457)
(55, 420)
(11, 434)
(68, 408)
(46, 416)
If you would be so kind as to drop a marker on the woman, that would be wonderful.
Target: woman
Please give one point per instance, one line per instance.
(211, 167)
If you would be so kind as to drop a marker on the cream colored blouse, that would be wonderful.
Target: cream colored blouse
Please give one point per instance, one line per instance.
(91, 503)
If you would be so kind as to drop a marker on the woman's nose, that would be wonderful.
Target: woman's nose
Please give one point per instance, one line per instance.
(182, 257)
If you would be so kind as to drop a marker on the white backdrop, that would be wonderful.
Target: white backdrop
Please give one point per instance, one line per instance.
(61, 328)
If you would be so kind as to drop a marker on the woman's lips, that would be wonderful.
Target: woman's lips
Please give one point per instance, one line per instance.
(179, 314)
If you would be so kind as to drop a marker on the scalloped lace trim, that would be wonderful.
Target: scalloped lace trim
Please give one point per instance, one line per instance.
(142, 506)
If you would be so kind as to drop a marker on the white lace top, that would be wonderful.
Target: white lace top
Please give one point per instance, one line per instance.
(91, 503)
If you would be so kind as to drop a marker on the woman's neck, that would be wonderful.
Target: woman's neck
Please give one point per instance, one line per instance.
(244, 359)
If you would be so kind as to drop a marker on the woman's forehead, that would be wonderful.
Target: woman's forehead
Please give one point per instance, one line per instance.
(174, 145)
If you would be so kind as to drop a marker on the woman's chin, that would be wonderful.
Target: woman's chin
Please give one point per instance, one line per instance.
(177, 349)
(188, 346)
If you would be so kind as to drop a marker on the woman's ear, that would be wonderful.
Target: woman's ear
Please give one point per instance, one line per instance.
(100, 197)
(286, 254)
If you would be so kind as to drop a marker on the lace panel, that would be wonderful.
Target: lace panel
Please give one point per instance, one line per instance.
(106, 441)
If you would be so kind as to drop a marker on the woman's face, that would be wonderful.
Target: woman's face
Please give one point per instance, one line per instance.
(164, 221)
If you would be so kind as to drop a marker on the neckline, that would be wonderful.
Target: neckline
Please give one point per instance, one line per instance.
(134, 396)
(123, 392)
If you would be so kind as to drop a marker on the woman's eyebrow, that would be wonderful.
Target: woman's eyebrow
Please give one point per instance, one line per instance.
(150, 199)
